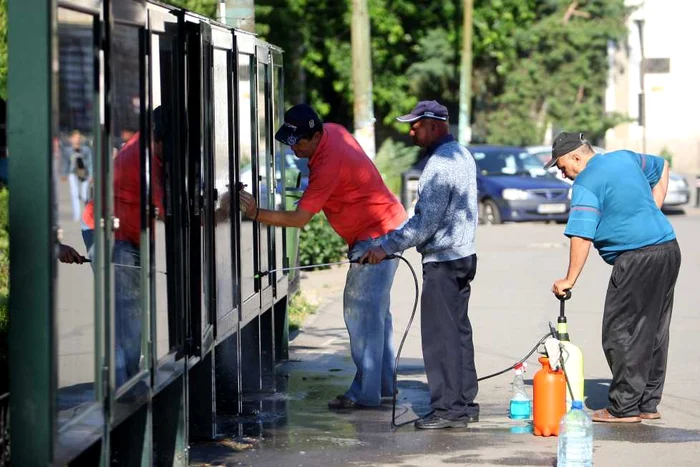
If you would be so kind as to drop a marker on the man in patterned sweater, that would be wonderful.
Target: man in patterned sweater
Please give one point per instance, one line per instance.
(442, 230)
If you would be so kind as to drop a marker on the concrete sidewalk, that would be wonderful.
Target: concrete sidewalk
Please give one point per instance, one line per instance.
(510, 308)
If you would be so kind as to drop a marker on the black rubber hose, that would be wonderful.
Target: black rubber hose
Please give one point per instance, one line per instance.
(395, 425)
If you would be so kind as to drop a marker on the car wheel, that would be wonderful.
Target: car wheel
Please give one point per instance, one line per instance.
(489, 213)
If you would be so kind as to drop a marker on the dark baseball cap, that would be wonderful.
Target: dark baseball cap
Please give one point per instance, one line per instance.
(426, 109)
(300, 121)
(564, 143)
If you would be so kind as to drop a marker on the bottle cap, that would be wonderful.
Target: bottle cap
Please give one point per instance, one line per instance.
(577, 405)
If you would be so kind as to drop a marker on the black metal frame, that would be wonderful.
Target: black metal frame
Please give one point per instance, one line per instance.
(212, 361)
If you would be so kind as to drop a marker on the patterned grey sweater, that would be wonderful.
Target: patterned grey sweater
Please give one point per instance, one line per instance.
(444, 224)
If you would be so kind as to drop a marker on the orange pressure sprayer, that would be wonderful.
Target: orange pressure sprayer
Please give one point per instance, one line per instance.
(549, 401)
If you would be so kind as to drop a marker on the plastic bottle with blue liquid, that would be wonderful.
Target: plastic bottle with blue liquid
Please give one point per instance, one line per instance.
(520, 403)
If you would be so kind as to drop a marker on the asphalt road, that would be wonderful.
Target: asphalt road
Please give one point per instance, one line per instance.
(510, 309)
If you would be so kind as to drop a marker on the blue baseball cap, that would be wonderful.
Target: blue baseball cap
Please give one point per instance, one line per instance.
(300, 121)
(426, 109)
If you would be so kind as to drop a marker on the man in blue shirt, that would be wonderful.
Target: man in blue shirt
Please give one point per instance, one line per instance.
(615, 205)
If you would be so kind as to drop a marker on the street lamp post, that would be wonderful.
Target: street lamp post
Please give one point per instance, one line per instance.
(642, 96)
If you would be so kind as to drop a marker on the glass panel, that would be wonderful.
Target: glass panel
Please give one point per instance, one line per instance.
(162, 147)
(128, 207)
(264, 187)
(74, 154)
(246, 93)
(225, 295)
(278, 103)
(204, 172)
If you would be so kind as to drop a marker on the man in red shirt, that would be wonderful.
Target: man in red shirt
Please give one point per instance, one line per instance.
(347, 187)
(127, 242)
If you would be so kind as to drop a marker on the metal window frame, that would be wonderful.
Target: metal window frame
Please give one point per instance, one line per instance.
(222, 40)
(173, 363)
(88, 427)
(245, 45)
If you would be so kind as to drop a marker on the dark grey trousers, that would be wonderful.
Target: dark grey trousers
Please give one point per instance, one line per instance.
(448, 349)
(636, 323)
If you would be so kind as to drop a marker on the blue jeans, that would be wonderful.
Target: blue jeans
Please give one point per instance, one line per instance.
(368, 319)
(127, 310)
(127, 305)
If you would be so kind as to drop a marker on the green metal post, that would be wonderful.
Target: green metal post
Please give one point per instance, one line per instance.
(32, 255)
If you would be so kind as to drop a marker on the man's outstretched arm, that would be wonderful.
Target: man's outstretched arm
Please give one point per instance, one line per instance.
(578, 253)
(298, 218)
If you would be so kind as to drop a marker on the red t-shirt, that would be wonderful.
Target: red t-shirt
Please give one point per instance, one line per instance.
(127, 192)
(346, 185)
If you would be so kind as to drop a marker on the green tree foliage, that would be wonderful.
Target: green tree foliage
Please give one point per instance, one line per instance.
(393, 158)
(203, 7)
(535, 62)
(560, 73)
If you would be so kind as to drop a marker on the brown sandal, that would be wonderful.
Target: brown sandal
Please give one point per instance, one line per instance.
(603, 416)
(343, 402)
(650, 415)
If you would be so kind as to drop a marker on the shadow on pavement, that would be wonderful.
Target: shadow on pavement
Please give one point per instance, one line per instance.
(596, 392)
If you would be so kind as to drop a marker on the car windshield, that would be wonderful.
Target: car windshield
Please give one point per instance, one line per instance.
(505, 161)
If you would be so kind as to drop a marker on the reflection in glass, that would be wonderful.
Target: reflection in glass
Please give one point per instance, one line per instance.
(162, 147)
(246, 94)
(128, 202)
(264, 200)
(73, 175)
(225, 297)
(280, 160)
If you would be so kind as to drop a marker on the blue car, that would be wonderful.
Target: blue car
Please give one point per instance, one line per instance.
(512, 186)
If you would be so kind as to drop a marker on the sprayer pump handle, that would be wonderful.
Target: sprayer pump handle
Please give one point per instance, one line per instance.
(566, 296)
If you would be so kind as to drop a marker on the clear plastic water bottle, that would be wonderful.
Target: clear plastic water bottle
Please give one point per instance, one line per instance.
(575, 438)
(520, 404)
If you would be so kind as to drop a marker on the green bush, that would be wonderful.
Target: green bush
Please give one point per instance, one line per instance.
(318, 243)
(392, 159)
(299, 309)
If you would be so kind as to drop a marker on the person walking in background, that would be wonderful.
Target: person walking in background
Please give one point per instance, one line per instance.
(76, 167)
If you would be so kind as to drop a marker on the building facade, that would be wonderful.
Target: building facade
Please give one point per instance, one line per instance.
(665, 34)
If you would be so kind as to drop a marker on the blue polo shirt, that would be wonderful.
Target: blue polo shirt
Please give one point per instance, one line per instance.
(612, 204)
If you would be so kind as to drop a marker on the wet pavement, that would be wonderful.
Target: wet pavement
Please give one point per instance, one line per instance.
(511, 305)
